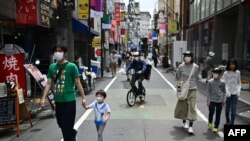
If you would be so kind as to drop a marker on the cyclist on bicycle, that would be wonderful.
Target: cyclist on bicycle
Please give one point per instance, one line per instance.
(139, 67)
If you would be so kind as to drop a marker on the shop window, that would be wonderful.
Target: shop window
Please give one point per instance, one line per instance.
(198, 5)
(203, 7)
(212, 7)
(219, 5)
(191, 13)
(226, 3)
(233, 1)
(207, 8)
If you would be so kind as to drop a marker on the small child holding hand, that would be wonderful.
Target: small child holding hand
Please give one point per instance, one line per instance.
(102, 112)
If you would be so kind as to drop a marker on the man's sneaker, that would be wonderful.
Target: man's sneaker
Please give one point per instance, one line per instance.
(210, 126)
(190, 130)
(215, 130)
(185, 125)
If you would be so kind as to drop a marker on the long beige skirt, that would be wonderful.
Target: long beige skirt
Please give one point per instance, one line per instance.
(186, 109)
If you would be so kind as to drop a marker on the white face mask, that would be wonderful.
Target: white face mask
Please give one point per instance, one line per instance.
(136, 58)
(215, 75)
(99, 99)
(187, 59)
(58, 56)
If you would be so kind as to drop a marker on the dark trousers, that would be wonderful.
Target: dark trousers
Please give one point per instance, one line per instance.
(231, 105)
(215, 106)
(134, 78)
(65, 116)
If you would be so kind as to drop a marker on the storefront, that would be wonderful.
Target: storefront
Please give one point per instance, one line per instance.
(222, 27)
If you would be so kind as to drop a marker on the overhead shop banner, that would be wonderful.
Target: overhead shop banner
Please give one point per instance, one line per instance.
(27, 12)
(96, 9)
(33, 12)
(106, 23)
(83, 9)
(117, 14)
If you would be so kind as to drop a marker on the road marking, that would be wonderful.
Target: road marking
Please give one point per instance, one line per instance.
(86, 114)
(203, 117)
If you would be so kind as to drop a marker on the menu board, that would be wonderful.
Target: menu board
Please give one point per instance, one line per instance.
(7, 111)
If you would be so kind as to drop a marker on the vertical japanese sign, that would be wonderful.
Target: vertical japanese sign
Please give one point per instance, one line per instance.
(44, 13)
(12, 69)
(26, 12)
(117, 14)
(83, 9)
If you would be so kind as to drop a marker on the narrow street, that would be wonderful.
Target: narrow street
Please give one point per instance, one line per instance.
(152, 120)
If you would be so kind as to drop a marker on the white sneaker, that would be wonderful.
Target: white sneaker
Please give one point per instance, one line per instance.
(185, 125)
(190, 130)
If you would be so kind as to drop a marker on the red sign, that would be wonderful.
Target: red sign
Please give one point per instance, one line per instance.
(122, 31)
(117, 13)
(12, 69)
(26, 11)
(98, 52)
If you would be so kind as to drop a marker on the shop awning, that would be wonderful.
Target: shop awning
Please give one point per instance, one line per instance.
(80, 26)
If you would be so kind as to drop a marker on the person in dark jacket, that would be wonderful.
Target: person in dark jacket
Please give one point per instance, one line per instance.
(155, 58)
(139, 67)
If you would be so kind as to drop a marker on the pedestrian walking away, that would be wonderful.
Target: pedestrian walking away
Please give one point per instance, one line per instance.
(232, 79)
(216, 98)
(208, 66)
(185, 109)
(113, 63)
(62, 77)
(102, 112)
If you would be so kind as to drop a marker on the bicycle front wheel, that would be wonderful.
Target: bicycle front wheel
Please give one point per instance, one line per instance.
(131, 98)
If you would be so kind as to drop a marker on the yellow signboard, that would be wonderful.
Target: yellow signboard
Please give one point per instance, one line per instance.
(96, 43)
(172, 27)
(83, 9)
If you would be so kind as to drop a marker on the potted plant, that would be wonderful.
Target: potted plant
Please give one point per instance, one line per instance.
(244, 84)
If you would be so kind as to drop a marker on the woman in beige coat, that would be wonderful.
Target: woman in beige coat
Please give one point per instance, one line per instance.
(186, 109)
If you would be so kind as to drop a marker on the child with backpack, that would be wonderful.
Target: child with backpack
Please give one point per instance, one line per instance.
(102, 112)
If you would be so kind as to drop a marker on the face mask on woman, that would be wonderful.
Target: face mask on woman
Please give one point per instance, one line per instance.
(187, 59)
(58, 56)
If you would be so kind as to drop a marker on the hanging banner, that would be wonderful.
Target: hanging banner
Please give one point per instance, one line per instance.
(106, 23)
(95, 14)
(83, 9)
(26, 12)
(117, 13)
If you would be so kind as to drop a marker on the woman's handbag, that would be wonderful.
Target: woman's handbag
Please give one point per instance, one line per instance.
(182, 87)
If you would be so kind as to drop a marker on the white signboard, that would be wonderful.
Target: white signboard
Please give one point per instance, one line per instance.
(179, 47)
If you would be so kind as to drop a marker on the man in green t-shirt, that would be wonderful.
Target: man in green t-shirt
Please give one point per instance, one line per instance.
(63, 76)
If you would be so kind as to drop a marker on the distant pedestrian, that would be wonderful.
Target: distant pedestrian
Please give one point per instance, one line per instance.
(128, 61)
(155, 58)
(186, 109)
(232, 79)
(113, 62)
(63, 76)
(102, 112)
(209, 65)
(215, 99)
